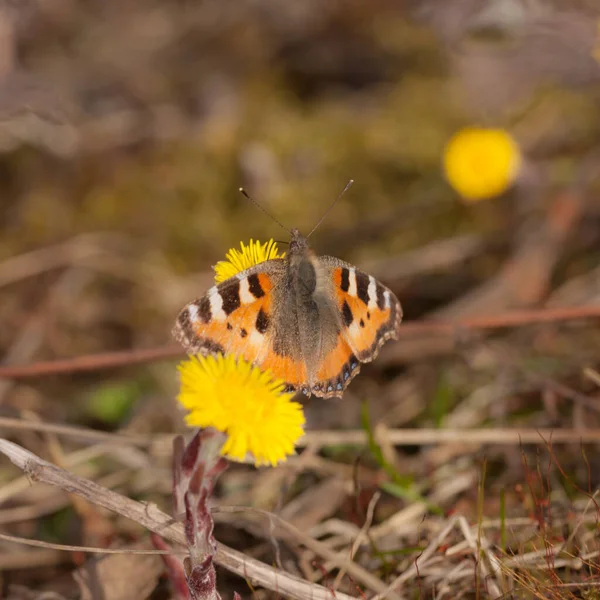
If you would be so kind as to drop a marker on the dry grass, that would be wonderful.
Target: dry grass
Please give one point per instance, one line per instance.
(550, 551)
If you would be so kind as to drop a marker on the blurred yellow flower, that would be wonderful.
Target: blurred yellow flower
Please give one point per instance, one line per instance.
(240, 260)
(481, 163)
(245, 403)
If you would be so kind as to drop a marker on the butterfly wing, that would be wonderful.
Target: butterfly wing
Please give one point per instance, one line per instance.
(318, 349)
(368, 314)
(337, 366)
(237, 317)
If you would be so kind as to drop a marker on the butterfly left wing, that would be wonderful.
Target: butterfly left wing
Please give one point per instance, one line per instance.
(238, 317)
(226, 317)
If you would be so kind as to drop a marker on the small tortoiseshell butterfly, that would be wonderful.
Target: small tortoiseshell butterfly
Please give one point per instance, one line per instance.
(311, 320)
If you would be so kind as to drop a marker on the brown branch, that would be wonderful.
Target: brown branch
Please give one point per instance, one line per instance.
(123, 358)
(91, 362)
(82, 433)
(514, 318)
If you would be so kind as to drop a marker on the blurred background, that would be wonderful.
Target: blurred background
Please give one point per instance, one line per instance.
(126, 129)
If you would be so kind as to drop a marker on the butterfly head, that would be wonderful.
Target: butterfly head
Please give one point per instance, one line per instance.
(298, 243)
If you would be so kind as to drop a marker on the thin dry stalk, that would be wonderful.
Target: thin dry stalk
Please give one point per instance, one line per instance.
(491, 584)
(362, 535)
(69, 548)
(317, 439)
(421, 560)
(422, 437)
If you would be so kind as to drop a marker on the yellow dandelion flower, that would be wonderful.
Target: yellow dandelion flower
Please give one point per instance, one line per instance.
(481, 163)
(245, 403)
(240, 260)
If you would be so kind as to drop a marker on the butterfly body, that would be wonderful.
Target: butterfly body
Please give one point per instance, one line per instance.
(311, 320)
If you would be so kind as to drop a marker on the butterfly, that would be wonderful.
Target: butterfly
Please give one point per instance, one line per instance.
(311, 320)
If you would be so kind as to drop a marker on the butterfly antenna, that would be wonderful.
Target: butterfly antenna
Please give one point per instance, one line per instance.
(332, 205)
(245, 193)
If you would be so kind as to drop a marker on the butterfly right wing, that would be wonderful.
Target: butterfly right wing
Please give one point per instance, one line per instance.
(237, 317)
(370, 311)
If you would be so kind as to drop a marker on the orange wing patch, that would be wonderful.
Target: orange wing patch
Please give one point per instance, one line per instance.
(370, 312)
(237, 334)
(283, 367)
(264, 282)
(364, 326)
(225, 318)
(245, 334)
(336, 371)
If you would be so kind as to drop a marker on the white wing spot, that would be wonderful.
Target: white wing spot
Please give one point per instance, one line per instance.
(352, 282)
(193, 312)
(388, 302)
(354, 331)
(372, 293)
(246, 296)
(216, 307)
(256, 339)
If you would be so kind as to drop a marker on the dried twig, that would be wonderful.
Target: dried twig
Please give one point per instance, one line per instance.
(395, 437)
(92, 362)
(96, 550)
(79, 432)
(496, 435)
(362, 535)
